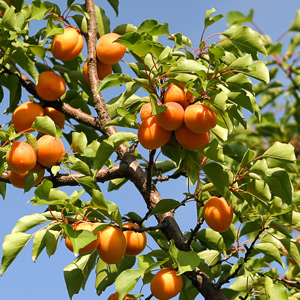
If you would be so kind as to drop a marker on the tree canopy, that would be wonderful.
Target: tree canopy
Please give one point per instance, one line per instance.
(241, 153)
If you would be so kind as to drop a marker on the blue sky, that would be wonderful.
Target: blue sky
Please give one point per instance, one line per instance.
(44, 279)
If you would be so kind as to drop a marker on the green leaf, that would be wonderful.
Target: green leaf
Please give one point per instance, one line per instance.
(245, 39)
(103, 22)
(211, 239)
(236, 17)
(115, 5)
(211, 257)
(39, 243)
(51, 241)
(295, 26)
(125, 28)
(163, 206)
(12, 246)
(45, 125)
(154, 28)
(259, 70)
(27, 222)
(113, 80)
(281, 151)
(260, 189)
(3, 189)
(209, 20)
(278, 292)
(80, 166)
(186, 261)
(9, 18)
(293, 248)
(77, 273)
(269, 250)
(79, 142)
(126, 282)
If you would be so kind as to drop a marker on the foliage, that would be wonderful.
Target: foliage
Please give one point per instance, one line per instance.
(251, 159)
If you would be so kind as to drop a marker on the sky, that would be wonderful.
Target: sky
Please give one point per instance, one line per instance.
(44, 279)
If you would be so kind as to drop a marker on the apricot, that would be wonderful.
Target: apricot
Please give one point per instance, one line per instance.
(166, 284)
(135, 241)
(176, 94)
(189, 139)
(21, 157)
(51, 86)
(218, 214)
(57, 116)
(112, 245)
(50, 150)
(115, 296)
(89, 247)
(172, 118)
(199, 118)
(109, 51)
(68, 45)
(24, 115)
(102, 69)
(146, 111)
(18, 180)
(151, 135)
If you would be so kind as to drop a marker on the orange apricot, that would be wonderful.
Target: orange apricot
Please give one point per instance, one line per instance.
(68, 45)
(50, 150)
(115, 296)
(146, 111)
(189, 139)
(57, 116)
(176, 94)
(25, 114)
(199, 118)
(102, 69)
(51, 86)
(18, 180)
(21, 157)
(109, 51)
(112, 245)
(89, 247)
(135, 241)
(151, 135)
(172, 118)
(218, 214)
(166, 284)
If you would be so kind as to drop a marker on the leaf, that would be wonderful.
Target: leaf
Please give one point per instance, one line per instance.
(27, 222)
(153, 27)
(295, 26)
(186, 261)
(77, 273)
(260, 189)
(236, 17)
(115, 5)
(164, 205)
(79, 142)
(208, 20)
(81, 167)
(126, 282)
(113, 80)
(211, 257)
(125, 28)
(270, 250)
(293, 248)
(9, 19)
(39, 243)
(103, 22)
(259, 70)
(281, 151)
(12, 245)
(211, 239)
(45, 125)
(245, 39)
(278, 292)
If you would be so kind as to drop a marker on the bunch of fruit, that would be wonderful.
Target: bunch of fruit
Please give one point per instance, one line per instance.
(190, 122)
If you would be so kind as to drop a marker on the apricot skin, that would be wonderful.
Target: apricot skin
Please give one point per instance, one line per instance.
(51, 86)
(112, 245)
(57, 116)
(103, 70)
(145, 111)
(68, 45)
(172, 118)
(109, 51)
(115, 296)
(166, 284)
(199, 118)
(175, 94)
(218, 214)
(24, 115)
(50, 150)
(135, 241)
(189, 139)
(21, 157)
(151, 135)
(89, 247)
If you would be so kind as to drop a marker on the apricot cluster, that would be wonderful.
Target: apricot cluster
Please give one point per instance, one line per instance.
(190, 122)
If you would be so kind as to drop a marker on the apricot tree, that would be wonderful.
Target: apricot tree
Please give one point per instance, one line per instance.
(233, 147)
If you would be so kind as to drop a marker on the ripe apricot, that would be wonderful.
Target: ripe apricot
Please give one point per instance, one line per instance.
(25, 114)
(218, 214)
(102, 69)
(68, 45)
(145, 111)
(199, 118)
(109, 51)
(151, 135)
(115, 296)
(57, 116)
(172, 118)
(21, 157)
(189, 139)
(89, 247)
(51, 86)
(18, 180)
(112, 245)
(50, 150)
(166, 284)
(176, 94)
(135, 241)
